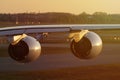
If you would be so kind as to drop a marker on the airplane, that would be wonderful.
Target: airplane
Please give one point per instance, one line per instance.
(85, 44)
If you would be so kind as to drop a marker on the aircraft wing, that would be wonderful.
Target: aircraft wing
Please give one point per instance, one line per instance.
(52, 28)
(84, 43)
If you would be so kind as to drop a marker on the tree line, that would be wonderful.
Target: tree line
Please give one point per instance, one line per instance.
(60, 18)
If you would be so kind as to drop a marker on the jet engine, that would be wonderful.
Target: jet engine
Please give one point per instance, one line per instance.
(89, 46)
(26, 50)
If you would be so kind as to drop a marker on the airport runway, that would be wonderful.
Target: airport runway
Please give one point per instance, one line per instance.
(109, 55)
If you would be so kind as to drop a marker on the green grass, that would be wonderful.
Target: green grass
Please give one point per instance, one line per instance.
(100, 72)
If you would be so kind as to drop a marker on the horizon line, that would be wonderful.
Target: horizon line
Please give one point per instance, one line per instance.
(56, 12)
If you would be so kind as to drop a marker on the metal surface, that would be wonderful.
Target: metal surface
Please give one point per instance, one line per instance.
(96, 43)
(88, 47)
(53, 28)
(27, 50)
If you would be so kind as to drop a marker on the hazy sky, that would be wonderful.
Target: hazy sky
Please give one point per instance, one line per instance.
(71, 6)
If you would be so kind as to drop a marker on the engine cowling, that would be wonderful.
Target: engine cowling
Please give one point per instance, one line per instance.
(88, 47)
(26, 50)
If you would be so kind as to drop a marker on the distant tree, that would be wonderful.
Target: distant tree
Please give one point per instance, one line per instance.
(59, 18)
(83, 18)
(100, 17)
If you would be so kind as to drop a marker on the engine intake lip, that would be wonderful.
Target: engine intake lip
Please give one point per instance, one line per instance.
(81, 48)
(18, 51)
(26, 50)
(88, 47)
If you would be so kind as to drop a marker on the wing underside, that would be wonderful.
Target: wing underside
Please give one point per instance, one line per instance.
(33, 30)
(52, 28)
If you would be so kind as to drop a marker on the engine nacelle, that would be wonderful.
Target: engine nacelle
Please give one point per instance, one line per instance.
(88, 47)
(26, 50)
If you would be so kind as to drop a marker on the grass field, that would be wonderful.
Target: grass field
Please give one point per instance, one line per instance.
(99, 72)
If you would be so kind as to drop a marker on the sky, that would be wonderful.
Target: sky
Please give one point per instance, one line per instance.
(68, 6)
